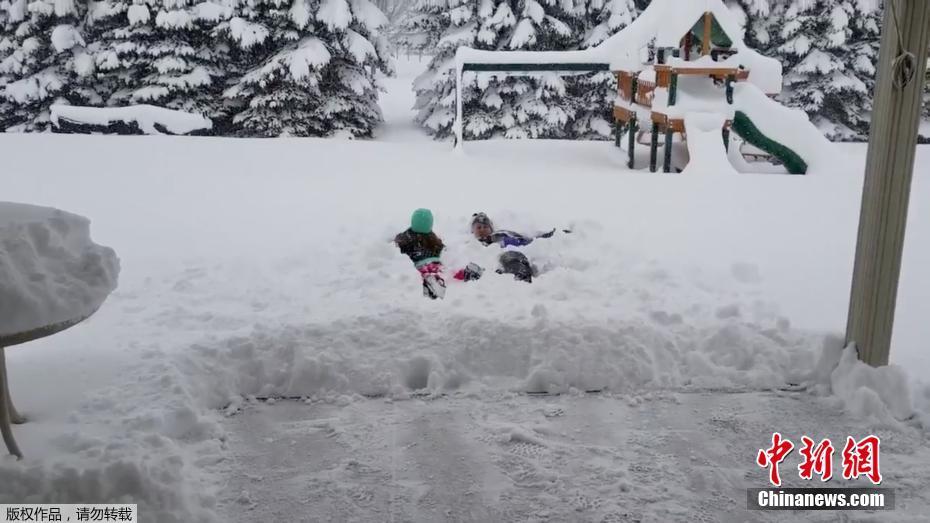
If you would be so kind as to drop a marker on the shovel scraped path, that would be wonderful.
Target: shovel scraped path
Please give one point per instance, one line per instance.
(655, 457)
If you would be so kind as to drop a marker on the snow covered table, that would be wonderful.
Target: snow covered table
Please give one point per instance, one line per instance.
(52, 277)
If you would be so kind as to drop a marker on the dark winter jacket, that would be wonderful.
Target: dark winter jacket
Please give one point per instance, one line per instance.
(422, 249)
(512, 239)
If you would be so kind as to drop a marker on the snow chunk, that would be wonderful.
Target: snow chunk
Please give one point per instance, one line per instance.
(146, 116)
(38, 87)
(84, 64)
(212, 12)
(138, 14)
(174, 20)
(247, 33)
(300, 13)
(359, 46)
(525, 34)
(17, 10)
(65, 37)
(534, 11)
(310, 54)
(64, 8)
(368, 15)
(871, 392)
(335, 14)
(97, 11)
(705, 144)
(50, 270)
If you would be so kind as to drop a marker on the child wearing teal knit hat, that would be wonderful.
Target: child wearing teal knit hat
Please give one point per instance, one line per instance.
(422, 221)
(421, 244)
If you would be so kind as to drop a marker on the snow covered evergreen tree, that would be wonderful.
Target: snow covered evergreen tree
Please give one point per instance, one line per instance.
(421, 26)
(42, 59)
(159, 52)
(594, 94)
(542, 105)
(828, 49)
(7, 46)
(313, 67)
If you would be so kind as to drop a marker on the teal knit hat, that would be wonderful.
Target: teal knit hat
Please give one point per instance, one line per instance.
(421, 221)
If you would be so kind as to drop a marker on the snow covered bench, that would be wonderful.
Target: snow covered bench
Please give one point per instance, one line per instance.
(52, 277)
(133, 119)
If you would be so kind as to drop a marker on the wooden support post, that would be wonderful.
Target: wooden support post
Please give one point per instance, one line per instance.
(726, 138)
(654, 147)
(729, 88)
(618, 132)
(660, 55)
(5, 410)
(673, 89)
(663, 75)
(667, 164)
(687, 46)
(631, 142)
(708, 30)
(459, 111)
(888, 172)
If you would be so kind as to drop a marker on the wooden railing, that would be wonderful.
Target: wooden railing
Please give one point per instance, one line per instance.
(625, 85)
(645, 92)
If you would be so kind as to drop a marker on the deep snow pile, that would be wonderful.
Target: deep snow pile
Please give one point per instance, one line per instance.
(597, 317)
(255, 276)
(50, 270)
(147, 117)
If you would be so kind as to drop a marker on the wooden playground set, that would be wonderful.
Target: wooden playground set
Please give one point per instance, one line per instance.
(679, 58)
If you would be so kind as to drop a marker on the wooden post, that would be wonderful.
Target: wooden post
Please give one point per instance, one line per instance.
(687, 46)
(618, 132)
(673, 89)
(888, 171)
(726, 137)
(729, 87)
(631, 141)
(667, 164)
(708, 29)
(663, 75)
(459, 110)
(5, 410)
(654, 147)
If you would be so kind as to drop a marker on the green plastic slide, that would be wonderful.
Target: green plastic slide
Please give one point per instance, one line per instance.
(744, 127)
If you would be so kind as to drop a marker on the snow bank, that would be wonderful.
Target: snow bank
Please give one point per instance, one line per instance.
(50, 270)
(148, 118)
(114, 471)
(705, 144)
(402, 351)
(881, 394)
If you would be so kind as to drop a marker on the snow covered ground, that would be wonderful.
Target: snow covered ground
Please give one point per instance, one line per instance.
(264, 267)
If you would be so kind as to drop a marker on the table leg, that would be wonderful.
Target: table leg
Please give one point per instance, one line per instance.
(5, 407)
(15, 417)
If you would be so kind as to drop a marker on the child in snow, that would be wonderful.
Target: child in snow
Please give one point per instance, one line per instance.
(483, 229)
(511, 262)
(424, 248)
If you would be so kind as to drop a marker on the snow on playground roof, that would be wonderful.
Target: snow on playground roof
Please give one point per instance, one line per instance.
(680, 16)
(664, 21)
